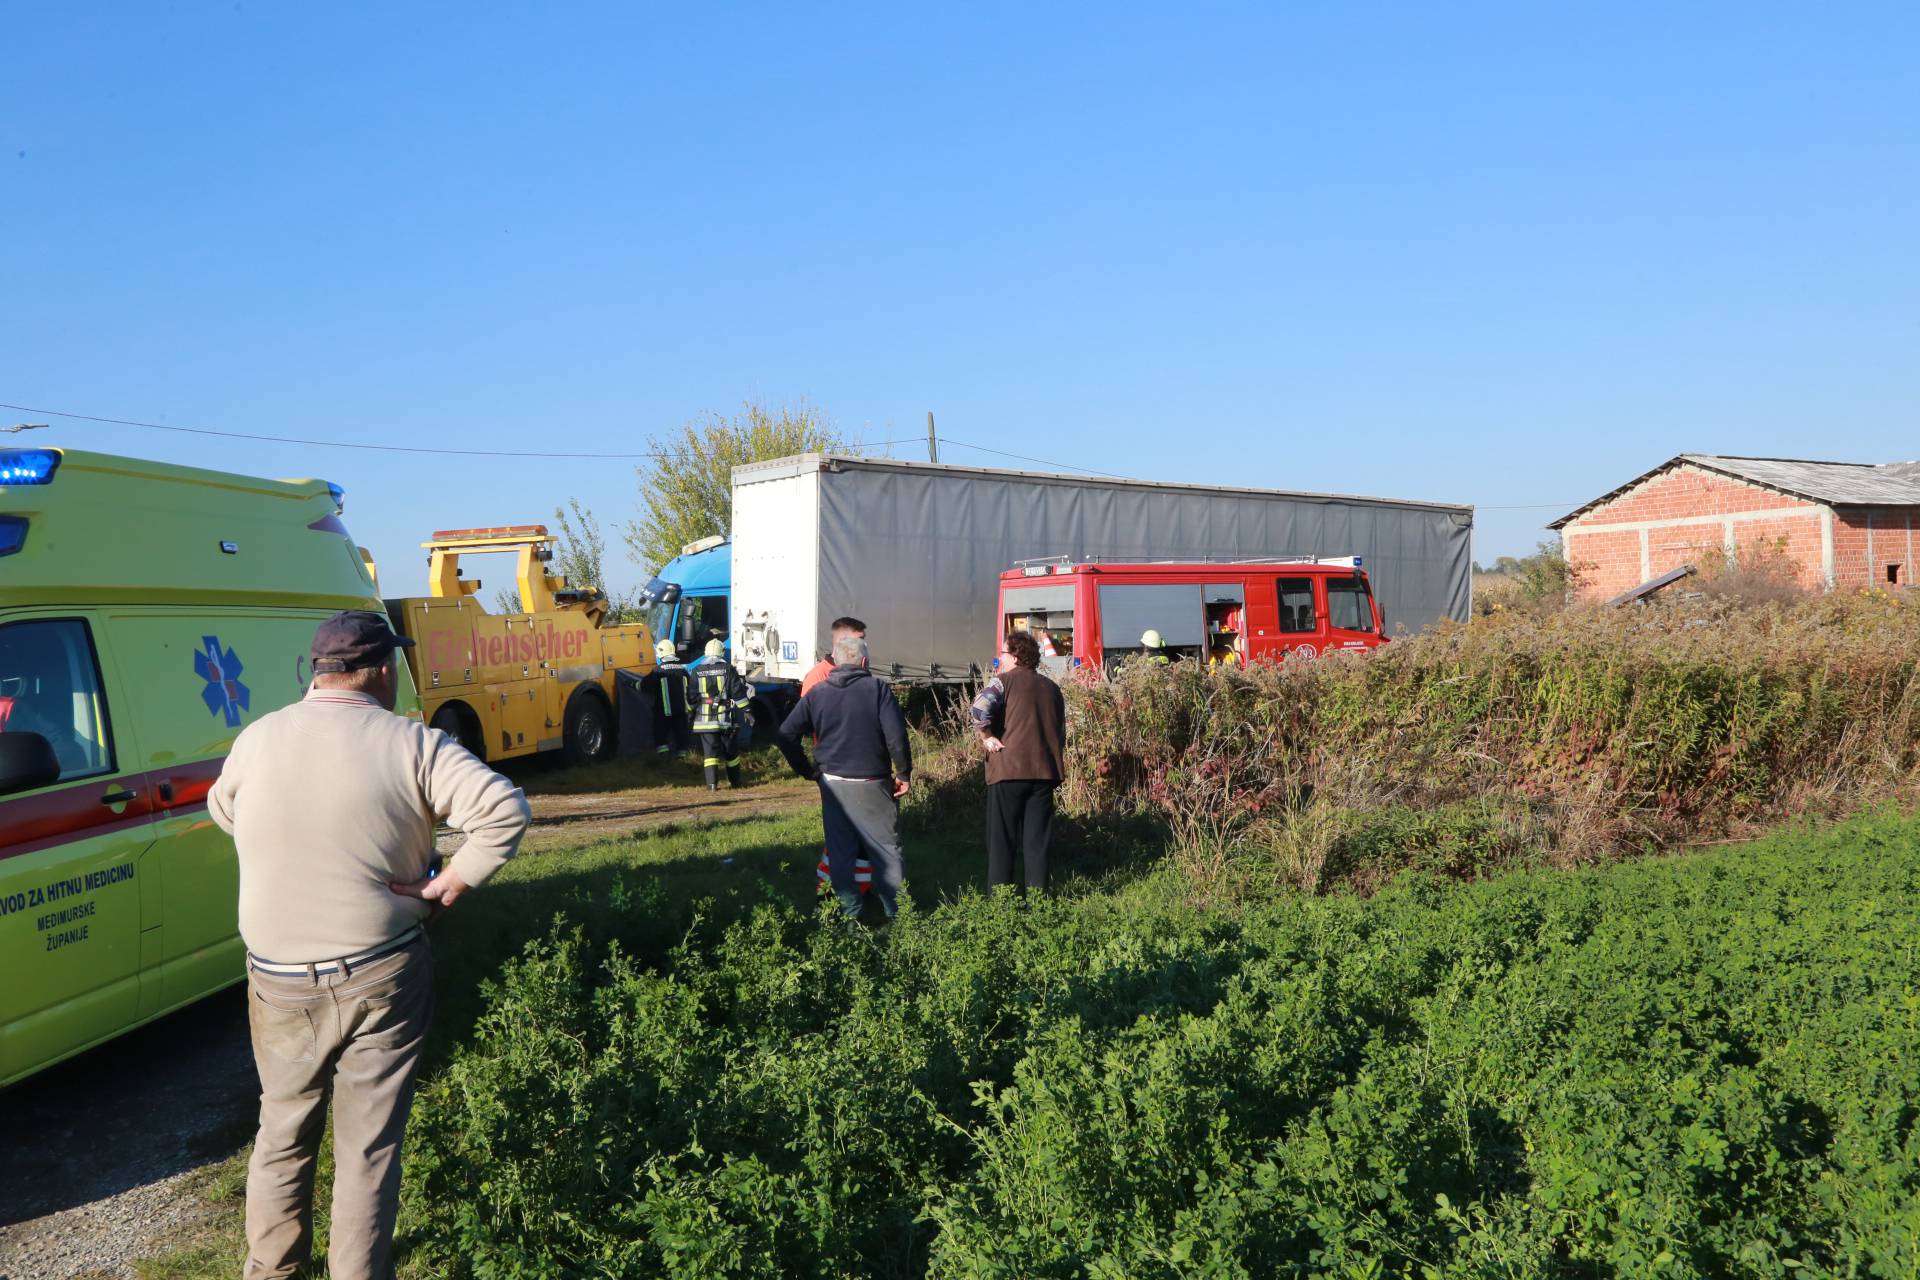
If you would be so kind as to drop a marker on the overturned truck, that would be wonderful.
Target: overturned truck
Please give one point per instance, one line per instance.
(916, 550)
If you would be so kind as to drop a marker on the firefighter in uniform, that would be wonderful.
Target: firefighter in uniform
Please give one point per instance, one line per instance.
(670, 733)
(1156, 649)
(720, 699)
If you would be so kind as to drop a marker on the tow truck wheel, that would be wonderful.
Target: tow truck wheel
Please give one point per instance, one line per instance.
(589, 729)
(449, 720)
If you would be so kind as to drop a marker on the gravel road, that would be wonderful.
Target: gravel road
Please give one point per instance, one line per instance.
(98, 1155)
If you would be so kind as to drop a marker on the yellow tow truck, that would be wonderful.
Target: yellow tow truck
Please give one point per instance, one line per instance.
(512, 684)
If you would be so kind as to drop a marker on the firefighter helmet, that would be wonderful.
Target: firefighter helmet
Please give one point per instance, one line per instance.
(716, 648)
(1151, 639)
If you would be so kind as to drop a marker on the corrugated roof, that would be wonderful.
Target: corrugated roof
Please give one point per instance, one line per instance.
(1851, 484)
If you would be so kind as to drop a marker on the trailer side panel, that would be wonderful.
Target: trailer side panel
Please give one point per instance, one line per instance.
(916, 550)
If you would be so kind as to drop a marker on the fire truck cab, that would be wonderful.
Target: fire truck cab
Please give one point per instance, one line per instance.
(1092, 615)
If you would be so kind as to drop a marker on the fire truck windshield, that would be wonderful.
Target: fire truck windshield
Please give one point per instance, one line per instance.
(1348, 605)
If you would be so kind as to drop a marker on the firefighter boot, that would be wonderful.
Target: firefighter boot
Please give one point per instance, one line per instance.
(733, 776)
(713, 775)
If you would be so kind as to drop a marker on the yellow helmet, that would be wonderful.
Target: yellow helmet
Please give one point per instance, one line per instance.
(1151, 639)
(664, 651)
(716, 648)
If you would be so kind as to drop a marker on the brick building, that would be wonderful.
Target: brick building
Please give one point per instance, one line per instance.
(1844, 525)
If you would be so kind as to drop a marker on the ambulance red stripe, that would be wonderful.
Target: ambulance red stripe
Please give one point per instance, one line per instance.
(29, 824)
(190, 783)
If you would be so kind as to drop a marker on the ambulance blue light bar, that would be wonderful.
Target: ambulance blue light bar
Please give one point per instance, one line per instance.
(28, 466)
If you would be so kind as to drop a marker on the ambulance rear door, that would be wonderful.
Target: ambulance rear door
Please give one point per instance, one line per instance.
(76, 886)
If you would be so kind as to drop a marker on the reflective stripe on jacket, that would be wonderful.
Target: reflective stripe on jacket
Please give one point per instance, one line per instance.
(718, 696)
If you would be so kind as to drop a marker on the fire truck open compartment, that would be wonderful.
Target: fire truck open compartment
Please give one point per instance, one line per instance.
(1045, 612)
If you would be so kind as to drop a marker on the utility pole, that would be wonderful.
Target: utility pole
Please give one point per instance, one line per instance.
(933, 444)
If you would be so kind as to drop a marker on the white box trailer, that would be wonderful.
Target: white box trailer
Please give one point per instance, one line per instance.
(916, 549)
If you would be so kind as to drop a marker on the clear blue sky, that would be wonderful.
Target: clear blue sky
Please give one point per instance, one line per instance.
(1500, 255)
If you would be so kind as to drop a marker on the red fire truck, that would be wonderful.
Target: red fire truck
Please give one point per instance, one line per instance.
(1093, 615)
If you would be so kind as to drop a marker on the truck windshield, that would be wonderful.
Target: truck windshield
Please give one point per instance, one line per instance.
(659, 618)
(657, 599)
(1348, 605)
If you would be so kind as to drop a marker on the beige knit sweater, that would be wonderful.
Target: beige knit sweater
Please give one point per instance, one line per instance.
(331, 799)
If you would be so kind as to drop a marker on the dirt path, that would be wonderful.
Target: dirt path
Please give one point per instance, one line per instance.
(103, 1158)
(99, 1156)
(599, 815)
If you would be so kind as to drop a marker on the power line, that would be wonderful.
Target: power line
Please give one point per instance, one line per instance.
(653, 454)
(1024, 458)
(354, 444)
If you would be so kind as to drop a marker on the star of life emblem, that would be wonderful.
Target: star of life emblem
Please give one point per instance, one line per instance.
(221, 668)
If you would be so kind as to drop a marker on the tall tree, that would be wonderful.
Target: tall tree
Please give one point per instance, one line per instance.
(581, 556)
(686, 493)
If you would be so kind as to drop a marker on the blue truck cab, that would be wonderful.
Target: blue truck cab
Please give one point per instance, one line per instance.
(690, 602)
(687, 600)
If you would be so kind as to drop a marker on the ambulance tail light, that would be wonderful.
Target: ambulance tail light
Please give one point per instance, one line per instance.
(13, 534)
(28, 466)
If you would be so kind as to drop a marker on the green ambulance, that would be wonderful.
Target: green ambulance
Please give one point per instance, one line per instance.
(148, 614)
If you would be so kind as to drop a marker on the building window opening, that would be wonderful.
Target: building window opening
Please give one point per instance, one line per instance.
(1893, 575)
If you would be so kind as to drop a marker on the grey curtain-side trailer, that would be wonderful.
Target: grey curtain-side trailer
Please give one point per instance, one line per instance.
(916, 549)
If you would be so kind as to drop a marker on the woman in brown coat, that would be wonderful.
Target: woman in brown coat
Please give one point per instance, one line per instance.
(1022, 721)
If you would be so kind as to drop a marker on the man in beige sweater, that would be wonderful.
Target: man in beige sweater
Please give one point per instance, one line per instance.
(332, 804)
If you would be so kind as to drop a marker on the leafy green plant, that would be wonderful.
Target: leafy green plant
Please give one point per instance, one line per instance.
(1697, 1066)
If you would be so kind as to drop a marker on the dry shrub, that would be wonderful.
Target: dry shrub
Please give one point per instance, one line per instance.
(949, 766)
(1561, 738)
(1540, 583)
(1496, 593)
(1761, 574)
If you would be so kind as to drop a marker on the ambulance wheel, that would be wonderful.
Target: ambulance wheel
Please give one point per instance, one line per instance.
(458, 723)
(589, 729)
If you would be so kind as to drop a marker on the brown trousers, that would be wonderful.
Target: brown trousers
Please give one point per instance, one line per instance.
(360, 1033)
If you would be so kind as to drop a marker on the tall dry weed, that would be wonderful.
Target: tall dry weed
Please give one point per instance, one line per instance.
(1561, 738)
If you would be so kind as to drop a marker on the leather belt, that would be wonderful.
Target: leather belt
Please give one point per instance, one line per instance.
(346, 964)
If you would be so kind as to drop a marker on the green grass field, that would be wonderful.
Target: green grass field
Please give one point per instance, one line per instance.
(1681, 1066)
(647, 890)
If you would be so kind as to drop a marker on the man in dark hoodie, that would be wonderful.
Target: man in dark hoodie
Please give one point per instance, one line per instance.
(862, 762)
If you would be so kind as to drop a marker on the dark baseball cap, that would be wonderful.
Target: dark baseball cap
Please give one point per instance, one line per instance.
(354, 639)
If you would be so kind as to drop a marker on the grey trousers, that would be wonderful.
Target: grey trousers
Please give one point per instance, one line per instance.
(359, 1033)
(862, 817)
